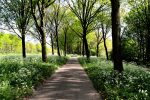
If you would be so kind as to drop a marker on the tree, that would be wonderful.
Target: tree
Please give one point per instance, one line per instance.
(58, 14)
(105, 26)
(16, 15)
(115, 14)
(99, 38)
(85, 11)
(66, 21)
(65, 30)
(148, 32)
(137, 31)
(50, 29)
(37, 10)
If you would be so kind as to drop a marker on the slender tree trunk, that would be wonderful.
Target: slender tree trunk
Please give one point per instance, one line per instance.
(117, 57)
(52, 43)
(23, 44)
(104, 39)
(65, 45)
(57, 42)
(83, 48)
(105, 46)
(97, 50)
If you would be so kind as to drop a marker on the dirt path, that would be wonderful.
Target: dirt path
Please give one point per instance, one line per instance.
(70, 82)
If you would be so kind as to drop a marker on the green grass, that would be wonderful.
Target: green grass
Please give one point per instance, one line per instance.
(132, 84)
(19, 76)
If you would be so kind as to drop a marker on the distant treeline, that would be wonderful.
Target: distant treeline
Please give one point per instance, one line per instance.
(10, 43)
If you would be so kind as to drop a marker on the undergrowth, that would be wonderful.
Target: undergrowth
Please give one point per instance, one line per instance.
(132, 84)
(18, 77)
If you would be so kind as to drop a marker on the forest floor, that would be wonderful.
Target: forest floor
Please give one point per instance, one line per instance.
(70, 82)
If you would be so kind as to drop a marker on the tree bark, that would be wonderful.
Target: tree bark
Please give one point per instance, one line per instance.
(23, 44)
(86, 44)
(52, 43)
(57, 42)
(43, 45)
(97, 50)
(106, 51)
(65, 45)
(83, 48)
(117, 57)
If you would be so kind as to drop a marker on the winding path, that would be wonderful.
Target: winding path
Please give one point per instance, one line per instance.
(70, 82)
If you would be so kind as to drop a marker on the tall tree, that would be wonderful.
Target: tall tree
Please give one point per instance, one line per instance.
(50, 29)
(65, 30)
(105, 26)
(115, 14)
(105, 32)
(85, 11)
(57, 13)
(16, 15)
(37, 10)
(99, 38)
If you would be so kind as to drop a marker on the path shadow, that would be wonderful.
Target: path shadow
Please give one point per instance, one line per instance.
(73, 60)
(69, 83)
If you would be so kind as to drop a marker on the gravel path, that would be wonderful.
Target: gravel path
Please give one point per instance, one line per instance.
(70, 82)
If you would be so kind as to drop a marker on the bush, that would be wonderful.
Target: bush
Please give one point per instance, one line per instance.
(19, 76)
(132, 84)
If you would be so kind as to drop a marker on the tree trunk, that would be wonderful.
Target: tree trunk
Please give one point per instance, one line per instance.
(79, 48)
(23, 44)
(86, 44)
(39, 27)
(52, 43)
(104, 39)
(65, 45)
(43, 45)
(117, 59)
(83, 48)
(97, 50)
(105, 46)
(57, 42)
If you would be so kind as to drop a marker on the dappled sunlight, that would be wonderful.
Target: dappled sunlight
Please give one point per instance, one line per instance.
(69, 83)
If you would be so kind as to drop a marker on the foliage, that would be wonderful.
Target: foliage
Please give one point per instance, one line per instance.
(132, 84)
(129, 50)
(136, 33)
(9, 43)
(19, 76)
